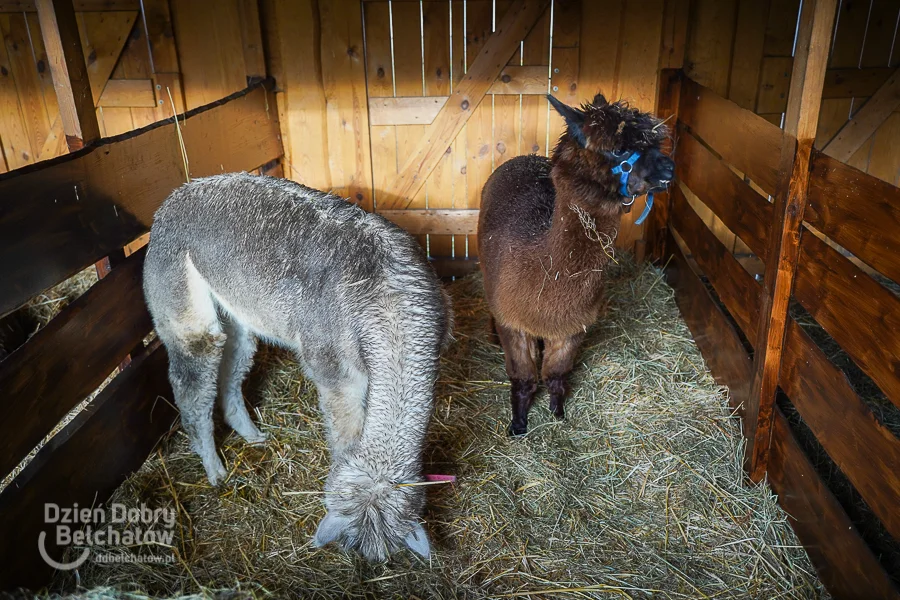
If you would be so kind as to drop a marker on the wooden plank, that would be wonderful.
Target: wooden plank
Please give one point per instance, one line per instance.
(640, 34)
(380, 82)
(76, 466)
(128, 93)
(847, 83)
(740, 208)
(675, 30)
(210, 49)
(865, 122)
(62, 215)
(408, 81)
(801, 118)
(565, 59)
(750, 143)
(344, 84)
(436, 67)
(13, 136)
(710, 42)
(293, 29)
(840, 420)
(844, 562)
(479, 127)
(520, 18)
(666, 108)
(521, 79)
(747, 59)
(251, 39)
(715, 336)
(45, 378)
(408, 110)
(600, 45)
(434, 221)
(15, 32)
(103, 36)
(59, 30)
(14, 6)
(735, 286)
(781, 28)
(853, 308)
(774, 84)
(858, 211)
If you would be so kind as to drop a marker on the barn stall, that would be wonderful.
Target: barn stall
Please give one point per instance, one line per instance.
(777, 246)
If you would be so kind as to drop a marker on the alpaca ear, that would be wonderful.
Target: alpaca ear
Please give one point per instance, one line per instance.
(417, 541)
(330, 528)
(574, 119)
(599, 100)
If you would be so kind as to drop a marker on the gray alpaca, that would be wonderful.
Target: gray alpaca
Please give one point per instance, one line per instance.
(236, 258)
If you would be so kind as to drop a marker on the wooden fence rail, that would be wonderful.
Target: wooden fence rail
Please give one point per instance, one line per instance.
(716, 138)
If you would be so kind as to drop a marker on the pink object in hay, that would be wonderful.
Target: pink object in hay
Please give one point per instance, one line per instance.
(441, 478)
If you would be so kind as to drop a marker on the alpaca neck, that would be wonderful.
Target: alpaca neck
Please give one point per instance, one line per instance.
(585, 222)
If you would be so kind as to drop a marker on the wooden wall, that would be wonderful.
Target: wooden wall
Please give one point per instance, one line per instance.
(135, 60)
(359, 81)
(742, 49)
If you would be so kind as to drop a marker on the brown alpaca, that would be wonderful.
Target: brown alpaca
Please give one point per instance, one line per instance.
(546, 233)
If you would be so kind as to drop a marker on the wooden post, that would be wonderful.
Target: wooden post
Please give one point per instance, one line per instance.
(67, 67)
(804, 101)
(669, 95)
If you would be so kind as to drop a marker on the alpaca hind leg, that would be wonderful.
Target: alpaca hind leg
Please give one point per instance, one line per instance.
(193, 366)
(559, 357)
(237, 358)
(521, 353)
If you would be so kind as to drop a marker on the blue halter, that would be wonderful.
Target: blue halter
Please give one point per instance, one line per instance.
(623, 174)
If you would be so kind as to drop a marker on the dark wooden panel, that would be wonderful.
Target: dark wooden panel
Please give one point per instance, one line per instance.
(858, 211)
(669, 94)
(743, 210)
(865, 451)
(66, 360)
(858, 312)
(843, 561)
(59, 216)
(715, 336)
(850, 83)
(84, 463)
(742, 138)
(735, 286)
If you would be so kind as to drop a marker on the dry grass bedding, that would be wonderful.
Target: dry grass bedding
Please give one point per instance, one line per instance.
(638, 494)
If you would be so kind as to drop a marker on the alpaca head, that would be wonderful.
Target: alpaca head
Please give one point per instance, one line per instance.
(602, 135)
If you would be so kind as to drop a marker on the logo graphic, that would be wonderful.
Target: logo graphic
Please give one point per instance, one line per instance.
(105, 534)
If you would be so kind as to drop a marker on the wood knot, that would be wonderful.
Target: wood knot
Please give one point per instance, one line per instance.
(535, 148)
(41, 66)
(380, 72)
(484, 150)
(3, 71)
(506, 78)
(501, 147)
(462, 170)
(351, 51)
(359, 196)
(438, 72)
(464, 105)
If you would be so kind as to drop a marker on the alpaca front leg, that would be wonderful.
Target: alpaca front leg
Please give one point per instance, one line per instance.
(344, 408)
(521, 354)
(559, 357)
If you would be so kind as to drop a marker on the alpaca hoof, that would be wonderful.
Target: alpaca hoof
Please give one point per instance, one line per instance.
(557, 407)
(216, 474)
(257, 438)
(517, 429)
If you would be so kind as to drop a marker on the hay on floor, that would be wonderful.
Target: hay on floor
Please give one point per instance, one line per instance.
(639, 494)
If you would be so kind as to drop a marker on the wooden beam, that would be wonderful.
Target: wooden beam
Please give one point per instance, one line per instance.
(60, 216)
(443, 222)
(521, 80)
(865, 122)
(409, 110)
(128, 93)
(813, 42)
(70, 76)
(15, 6)
(517, 22)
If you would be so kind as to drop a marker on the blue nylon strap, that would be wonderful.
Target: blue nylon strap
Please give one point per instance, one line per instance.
(640, 220)
(623, 184)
